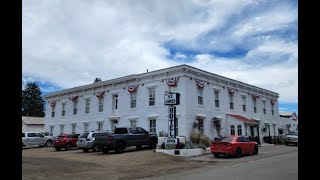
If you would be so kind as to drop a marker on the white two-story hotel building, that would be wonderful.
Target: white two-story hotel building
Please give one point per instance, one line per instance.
(209, 104)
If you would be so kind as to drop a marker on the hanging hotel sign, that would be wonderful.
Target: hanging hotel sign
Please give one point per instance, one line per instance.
(171, 99)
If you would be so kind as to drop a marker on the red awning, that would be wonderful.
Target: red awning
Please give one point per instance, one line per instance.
(241, 118)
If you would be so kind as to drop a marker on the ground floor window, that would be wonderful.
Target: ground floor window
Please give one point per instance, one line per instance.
(74, 128)
(239, 127)
(152, 125)
(51, 130)
(61, 129)
(100, 126)
(232, 130)
(86, 127)
(133, 123)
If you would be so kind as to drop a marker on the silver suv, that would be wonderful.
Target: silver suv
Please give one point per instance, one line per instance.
(86, 140)
(291, 138)
(36, 138)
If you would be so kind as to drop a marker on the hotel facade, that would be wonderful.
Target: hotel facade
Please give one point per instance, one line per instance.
(210, 104)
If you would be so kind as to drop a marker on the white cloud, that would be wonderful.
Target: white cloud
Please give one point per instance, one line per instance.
(70, 43)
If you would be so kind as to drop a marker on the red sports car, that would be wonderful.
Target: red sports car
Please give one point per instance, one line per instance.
(233, 145)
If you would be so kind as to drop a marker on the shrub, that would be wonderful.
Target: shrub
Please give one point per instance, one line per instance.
(170, 146)
(163, 146)
(180, 146)
(163, 134)
(195, 138)
(205, 141)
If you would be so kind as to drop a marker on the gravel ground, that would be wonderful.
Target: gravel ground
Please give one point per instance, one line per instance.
(46, 163)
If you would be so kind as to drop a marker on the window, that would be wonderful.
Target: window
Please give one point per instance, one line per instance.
(100, 126)
(200, 97)
(86, 127)
(74, 127)
(152, 125)
(231, 101)
(232, 129)
(63, 112)
(52, 111)
(87, 106)
(152, 97)
(254, 105)
(239, 128)
(200, 121)
(115, 101)
(264, 107)
(133, 130)
(133, 123)
(141, 130)
(216, 99)
(51, 130)
(133, 99)
(272, 107)
(75, 107)
(101, 103)
(61, 129)
(244, 108)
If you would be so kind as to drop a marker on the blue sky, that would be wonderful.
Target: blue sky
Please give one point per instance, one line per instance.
(70, 43)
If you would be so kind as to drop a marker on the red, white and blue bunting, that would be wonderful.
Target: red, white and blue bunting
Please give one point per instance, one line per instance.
(133, 88)
(73, 98)
(273, 101)
(53, 103)
(255, 96)
(100, 94)
(231, 90)
(200, 83)
(173, 81)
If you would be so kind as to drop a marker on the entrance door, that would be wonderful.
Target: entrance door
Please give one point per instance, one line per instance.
(252, 130)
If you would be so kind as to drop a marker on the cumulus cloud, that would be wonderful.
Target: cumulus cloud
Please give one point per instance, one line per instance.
(70, 43)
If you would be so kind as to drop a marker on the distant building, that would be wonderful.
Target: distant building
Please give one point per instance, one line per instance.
(208, 101)
(288, 121)
(32, 124)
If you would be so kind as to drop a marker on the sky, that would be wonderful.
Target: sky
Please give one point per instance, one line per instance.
(70, 43)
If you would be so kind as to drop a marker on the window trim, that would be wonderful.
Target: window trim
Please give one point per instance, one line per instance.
(87, 105)
(152, 98)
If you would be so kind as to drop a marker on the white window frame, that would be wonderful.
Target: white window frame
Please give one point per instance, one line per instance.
(63, 111)
(100, 126)
(61, 128)
(73, 127)
(101, 101)
(53, 111)
(239, 129)
(152, 96)
(133, 100)
(254, 105)
(264, 107)
(231, 104)
(87, 107)
(86, 126)
(200, 96)
(115, 101)
(216, 99)
(51, 130)
(232, 130)
(244, 106)
(75, 107)
(153, 126)
(133, 123)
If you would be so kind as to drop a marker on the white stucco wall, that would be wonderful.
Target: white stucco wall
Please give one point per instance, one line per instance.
(32, 128)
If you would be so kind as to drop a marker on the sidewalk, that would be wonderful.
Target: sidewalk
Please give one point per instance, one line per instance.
(265, 144)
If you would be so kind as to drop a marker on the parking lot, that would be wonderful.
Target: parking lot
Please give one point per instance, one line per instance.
(46, 163)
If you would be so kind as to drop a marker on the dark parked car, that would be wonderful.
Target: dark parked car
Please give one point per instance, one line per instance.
(233, 145)
(124, 137)
(66, 141)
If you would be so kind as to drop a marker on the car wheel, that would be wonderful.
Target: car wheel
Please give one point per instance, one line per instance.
(216, 155)
(120, 147)
(286, 143)
(238, 153)
(85, 150)
(153, 144)
(139, 146)
(49, 143)
(68, 147)
(104, 150)
(58, 149)
(255, 150)
(95, 148)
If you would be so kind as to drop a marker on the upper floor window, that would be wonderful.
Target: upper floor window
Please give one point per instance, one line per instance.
(152, 96)
(63, 112)
(255, 105)
(231, 101)
(244, 108)
(272, 109)
(232, 130)
(200, 96)
(87, 105)
(101, 103)
(115, 101)
(53, 111)
(264, 107)
(216, 99)
(75, 107)
(133, 99)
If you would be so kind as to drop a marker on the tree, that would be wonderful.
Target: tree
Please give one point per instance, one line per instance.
(32, 101)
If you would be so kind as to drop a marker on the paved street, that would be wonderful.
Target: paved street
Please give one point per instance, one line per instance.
(279, 167)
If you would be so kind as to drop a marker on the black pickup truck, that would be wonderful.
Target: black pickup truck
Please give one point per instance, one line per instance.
(124, 137)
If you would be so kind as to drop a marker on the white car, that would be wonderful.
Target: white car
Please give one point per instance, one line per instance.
(291, 138)
(86, 140)
(36, 138)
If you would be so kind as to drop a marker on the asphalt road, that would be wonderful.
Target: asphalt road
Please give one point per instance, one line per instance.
(280, 167)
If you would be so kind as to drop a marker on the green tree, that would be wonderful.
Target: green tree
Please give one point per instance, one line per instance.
(32, 101)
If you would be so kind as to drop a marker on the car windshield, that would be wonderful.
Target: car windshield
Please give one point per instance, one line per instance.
(293, 133)
(225, 139)
(84, 135)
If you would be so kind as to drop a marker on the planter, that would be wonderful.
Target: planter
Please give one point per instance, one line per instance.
(185, 152)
